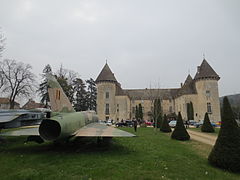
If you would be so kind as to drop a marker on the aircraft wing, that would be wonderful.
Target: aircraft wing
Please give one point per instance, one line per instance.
(9, 116)
(101, 130)
(27, 131)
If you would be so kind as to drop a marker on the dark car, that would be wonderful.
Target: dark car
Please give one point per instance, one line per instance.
(127, 123)
(192, 122)
(200, 123)
(120, 124)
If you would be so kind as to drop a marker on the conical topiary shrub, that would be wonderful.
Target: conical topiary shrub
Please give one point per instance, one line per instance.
(226, 151)
(165, 126)
(180, 133)
(207, 126)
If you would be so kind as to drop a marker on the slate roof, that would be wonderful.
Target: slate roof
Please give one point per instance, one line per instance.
(4, 100)
(188, 87)
(206, 71)
(148, 94)
(31, 104)
(106, 75)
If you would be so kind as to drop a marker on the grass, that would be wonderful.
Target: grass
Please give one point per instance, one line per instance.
(151, 155)
(199, 130)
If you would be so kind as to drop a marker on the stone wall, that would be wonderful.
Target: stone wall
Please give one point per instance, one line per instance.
(102, 88)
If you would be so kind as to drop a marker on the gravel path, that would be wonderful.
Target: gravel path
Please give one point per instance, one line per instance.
(202, 137)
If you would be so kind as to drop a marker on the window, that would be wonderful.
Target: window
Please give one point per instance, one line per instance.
(209, 108)
(107, 109)
(107, 95)
(170, 109)
(117, 107)
(208, 93)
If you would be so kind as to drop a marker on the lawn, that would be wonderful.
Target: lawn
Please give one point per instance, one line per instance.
(151, 155)
(199, 130)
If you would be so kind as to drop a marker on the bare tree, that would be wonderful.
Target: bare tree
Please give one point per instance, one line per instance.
(154, 95)
(66, 79)
(18, 79)
(2, 45)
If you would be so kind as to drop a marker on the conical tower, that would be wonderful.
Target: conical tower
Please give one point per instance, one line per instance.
(106, 91)
(206, 82)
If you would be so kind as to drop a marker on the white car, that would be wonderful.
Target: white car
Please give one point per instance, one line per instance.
(109, 123)
(173, 123)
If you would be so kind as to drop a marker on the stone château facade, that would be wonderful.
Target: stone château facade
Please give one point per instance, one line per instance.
(116, 103)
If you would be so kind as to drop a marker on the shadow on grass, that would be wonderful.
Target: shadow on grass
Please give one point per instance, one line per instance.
(77, 145)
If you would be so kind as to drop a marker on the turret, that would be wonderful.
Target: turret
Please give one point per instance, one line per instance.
(206, 81)
(106, 91)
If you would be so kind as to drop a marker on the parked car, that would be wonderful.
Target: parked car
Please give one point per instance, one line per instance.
(148, 123)
(127, 123)
(192, 122)
(200, 123)
(173, 123)
(120, 124)
(109, 123)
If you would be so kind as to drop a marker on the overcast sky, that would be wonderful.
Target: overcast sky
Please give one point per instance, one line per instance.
(146, 42)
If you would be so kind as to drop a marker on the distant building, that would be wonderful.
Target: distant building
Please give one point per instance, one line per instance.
(31, 104)
(5, 104)
(116, 103)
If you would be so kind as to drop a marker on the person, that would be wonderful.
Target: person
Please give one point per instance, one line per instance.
(187, 124)
(135, 124)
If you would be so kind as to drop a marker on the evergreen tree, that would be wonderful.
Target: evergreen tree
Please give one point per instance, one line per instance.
(188, 111)
(80, 103)
(157, 113)
(91, 94)
(67, 88)
(43, 87)
(180, 132)
(66, 79)
(207, 126)
(165, 126)
(136, 113)
(140, 111)
(226, 151)
(159, 116)
(191, 111)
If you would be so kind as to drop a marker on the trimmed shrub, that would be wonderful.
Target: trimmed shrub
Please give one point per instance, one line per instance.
(226, 151)
(165, 126)
(207, 126)
(180, 132)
